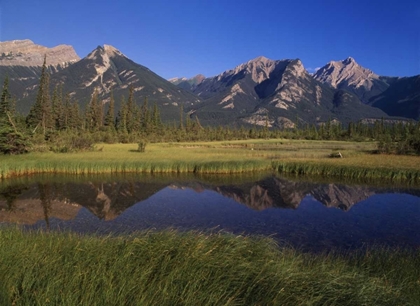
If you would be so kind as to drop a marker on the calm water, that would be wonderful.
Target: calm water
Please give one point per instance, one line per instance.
(309, 215)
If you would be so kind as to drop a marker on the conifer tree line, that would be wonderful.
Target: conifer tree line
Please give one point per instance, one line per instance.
(57, 123)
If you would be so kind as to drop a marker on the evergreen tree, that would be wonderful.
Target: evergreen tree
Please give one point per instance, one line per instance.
(11, 141)
(145, 115)
(266, 130)
(93, 115)
(121, 121)
(350, 130)
(40, 114)
(188, 123)
(67, 112)
(109, 121)
(181, 119)
(156, 120)
(131, 113)
(136, 119)
(75, 117)
(5, 100)
(57, 108)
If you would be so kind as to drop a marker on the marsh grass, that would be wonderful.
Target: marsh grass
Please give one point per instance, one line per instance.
(287, 156)
(192, 268)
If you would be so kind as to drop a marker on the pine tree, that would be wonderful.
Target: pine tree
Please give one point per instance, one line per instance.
(5, 100)
(75, 117)
(66, 112)
(121, 122)
(40, 113)
(265, 131)
(109, 122)
(131, 111)
(136, 117)
(11, 141)
(93, 115)
(57, 108)
(181, 119)
(145, 115)
(156, 120)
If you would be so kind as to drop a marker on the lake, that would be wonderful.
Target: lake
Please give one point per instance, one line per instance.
(310, 214)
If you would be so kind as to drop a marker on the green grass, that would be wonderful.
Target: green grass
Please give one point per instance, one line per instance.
(287, 156)
(172, 268)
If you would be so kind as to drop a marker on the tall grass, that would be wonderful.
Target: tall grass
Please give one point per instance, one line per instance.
(297, 157)
(172, 268)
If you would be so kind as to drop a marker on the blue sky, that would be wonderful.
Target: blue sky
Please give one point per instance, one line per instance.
(188, 37)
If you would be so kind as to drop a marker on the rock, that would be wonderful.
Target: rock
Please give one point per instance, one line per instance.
(26, 53)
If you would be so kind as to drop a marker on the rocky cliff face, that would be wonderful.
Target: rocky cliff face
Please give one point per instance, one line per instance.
(394, 96)
(275, 93)
(346, 72)
(26, 53)
(21, 61)
(107, 68)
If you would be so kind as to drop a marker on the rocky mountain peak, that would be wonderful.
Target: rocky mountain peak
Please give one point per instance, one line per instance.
(112, 51)
(346, 72)
(297, 68)
(259, 68)
(199, 78)
(260, 59)
(105, 51)
(27, 53)
(349, 61)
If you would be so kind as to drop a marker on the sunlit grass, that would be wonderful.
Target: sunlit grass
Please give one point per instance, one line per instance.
(172, 268)
(292, 156)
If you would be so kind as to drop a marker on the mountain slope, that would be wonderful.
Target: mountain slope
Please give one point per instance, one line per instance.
(26, 53)
(401, 98)
(188, 84)
(21, 61)
(106, 68)
(395, 96)
(259, 92)
(277, 93)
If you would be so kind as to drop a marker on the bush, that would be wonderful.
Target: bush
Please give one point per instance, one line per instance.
(72, 143)
(12, 142)
(142, 146)
(82, 143)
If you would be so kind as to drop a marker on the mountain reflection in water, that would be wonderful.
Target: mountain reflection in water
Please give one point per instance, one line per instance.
(298, 213)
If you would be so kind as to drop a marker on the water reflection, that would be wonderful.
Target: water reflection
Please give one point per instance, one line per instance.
(300, 213)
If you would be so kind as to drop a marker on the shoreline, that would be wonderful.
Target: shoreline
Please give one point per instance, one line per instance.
(233, 157)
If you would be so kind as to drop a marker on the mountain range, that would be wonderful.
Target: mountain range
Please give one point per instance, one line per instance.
(278, 93)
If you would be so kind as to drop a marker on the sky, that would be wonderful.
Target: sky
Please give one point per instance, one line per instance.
(183, 38)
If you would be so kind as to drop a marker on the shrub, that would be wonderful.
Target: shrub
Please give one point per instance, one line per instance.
(12, 142)
(142, 146)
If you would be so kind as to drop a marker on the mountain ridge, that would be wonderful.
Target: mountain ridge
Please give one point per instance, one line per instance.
(261, 91)
(396, 96)
(27, 53)
(275, 93)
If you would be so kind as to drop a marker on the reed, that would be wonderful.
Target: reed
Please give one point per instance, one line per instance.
(286, 156)
(192, 268)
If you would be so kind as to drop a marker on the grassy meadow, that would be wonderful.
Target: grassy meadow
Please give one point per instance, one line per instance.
(191, 268)
(286, 156)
